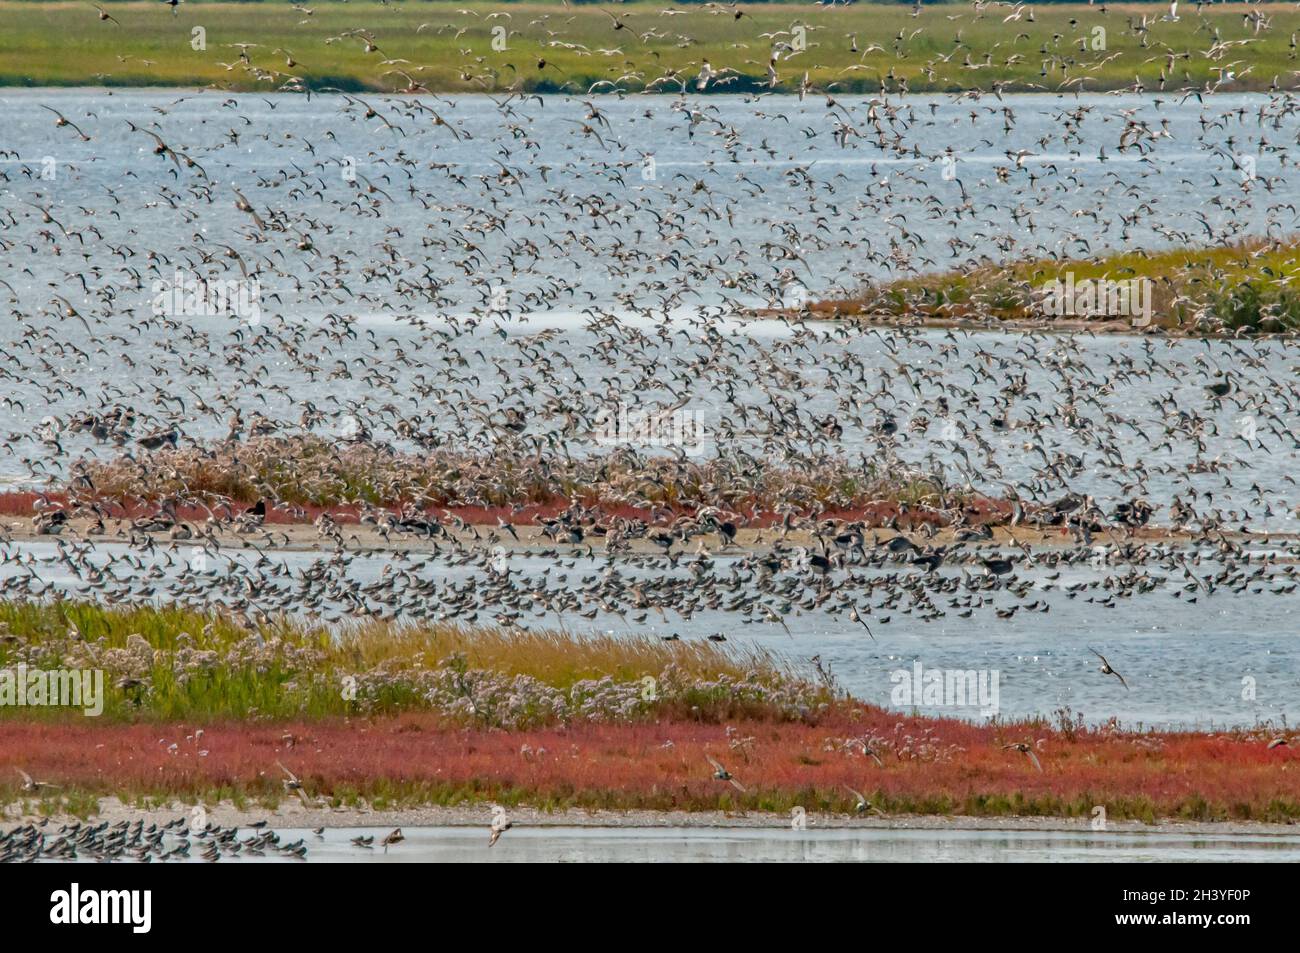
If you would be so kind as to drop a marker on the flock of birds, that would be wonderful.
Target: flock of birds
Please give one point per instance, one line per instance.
(487, 275)
(174, 840)
(124, 840)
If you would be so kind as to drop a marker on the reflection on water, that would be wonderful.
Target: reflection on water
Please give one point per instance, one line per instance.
(743, 845)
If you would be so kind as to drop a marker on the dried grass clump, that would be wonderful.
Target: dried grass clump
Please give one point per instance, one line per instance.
(304, 470)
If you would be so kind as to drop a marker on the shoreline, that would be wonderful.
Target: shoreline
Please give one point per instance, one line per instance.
(295, 816)
(481, 530)
(8, 87)
(820, 313)
(1114, 328)
(447, 48)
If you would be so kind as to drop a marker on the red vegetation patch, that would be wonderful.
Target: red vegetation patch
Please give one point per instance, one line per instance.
(23, 503)
(928, 765)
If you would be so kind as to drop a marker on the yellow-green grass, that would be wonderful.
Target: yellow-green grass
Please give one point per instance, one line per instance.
(66, 44)
(175, 663)
(1243, 285)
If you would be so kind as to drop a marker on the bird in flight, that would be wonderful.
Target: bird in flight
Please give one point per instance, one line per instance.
(1105, 667)
(722, 774)
(63, 120)
(1026, 750)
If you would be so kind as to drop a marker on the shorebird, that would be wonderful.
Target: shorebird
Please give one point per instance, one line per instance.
(395, 836)
(500, 824)
(30, 785)
(104, 14)
(863, 805)
(722, 774)
(1026, 750)
(291, 783)
(1105, 667)
(61, 120)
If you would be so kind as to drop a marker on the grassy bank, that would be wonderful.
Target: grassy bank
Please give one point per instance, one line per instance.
(449, 46)
(172, 663)
(1245, 285)
(203, 709)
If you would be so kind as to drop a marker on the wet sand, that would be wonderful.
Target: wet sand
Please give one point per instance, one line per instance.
(306, 537)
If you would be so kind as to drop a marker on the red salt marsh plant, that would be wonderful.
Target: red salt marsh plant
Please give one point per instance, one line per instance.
(205, 706)
(926, 766)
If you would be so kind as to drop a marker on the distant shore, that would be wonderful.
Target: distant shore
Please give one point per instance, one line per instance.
(368, 47)
(1179, 292)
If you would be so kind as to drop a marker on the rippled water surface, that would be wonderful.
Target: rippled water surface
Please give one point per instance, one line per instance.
(1226, 660)
(740, 845)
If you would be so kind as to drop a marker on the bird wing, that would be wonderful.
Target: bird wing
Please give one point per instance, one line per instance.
(713, 761)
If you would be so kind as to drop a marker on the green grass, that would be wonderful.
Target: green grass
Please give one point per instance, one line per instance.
(1244, 285)
(65, 44)
(184, 664)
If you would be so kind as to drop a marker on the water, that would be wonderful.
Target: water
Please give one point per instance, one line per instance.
(607, 285)
(744, 845)
(1187, 665)
(427, 350)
